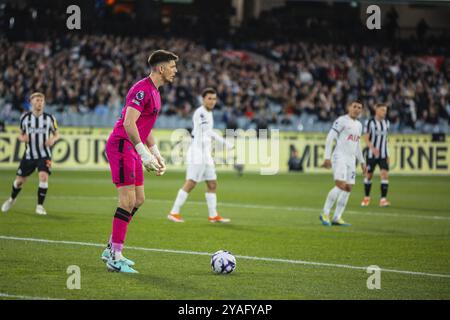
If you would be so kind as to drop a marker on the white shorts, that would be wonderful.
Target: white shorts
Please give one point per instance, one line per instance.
(201, 172)
(344, 170)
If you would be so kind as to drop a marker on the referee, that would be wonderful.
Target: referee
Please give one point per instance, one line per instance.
(35, 127)
(376, 138)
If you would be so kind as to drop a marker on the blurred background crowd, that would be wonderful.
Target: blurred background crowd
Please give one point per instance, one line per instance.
(272, 71)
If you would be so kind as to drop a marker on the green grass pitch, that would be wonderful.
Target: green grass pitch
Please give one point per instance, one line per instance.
(274, 217)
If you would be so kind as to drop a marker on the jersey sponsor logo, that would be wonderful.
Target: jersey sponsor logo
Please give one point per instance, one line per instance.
(136, 102)
(352, 137)
(140, 95)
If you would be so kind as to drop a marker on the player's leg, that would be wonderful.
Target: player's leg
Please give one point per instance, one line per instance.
(368, 182)
(123, 166)
(194, 172)
(26, 168)
(342, 200)
(181, 198)
(340, 206)
(140, 199)
(127, 201)
(339, 173)
(42, 192)
(18, 182)
(384, 175)
(139, 187)
(211, 200)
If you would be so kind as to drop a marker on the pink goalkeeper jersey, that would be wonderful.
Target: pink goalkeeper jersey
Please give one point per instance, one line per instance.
(144, 97)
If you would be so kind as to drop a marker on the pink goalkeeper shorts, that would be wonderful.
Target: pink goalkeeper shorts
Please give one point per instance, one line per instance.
(125, 163)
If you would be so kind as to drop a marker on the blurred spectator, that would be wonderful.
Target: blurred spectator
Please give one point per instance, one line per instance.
(294, 163)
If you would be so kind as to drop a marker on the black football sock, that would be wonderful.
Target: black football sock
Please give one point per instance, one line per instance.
(42, 192)
(384, 188)
(367, 187)
(15, 191)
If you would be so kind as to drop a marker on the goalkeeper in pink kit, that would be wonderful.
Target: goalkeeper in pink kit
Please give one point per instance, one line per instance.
(130, 146)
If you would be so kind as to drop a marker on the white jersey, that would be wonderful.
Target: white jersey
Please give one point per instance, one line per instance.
(203, 133)
(347, 132)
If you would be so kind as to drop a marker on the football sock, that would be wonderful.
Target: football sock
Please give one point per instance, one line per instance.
(15, 190)
(367, 187)
(109, 245)
(384, 188)
(211, 201)
(331, 199)
(119, 229)
(340, 206)
(42, 192)
(179, 201)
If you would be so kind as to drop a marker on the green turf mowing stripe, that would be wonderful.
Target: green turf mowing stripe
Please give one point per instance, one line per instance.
(321, 264)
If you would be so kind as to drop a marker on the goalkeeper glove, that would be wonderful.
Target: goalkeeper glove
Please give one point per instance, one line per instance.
(148, 160)
(155, 151)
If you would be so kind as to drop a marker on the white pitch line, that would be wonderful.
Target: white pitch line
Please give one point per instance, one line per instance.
(289, 261)
(13, 296)
(261, 207)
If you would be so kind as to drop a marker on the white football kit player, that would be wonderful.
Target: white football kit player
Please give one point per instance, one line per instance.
(347, 133)
(200, 164)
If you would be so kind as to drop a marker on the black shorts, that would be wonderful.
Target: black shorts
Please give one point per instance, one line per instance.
(372, 163)
(27, 167)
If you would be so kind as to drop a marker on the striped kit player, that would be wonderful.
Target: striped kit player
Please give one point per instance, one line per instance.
(376, 138)
(39, 131)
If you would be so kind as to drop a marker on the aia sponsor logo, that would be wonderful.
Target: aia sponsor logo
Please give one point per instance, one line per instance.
(352, 137)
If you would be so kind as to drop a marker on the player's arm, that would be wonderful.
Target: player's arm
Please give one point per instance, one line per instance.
(332, 135)
(55, 133)
(220, 139)
(129, 123)
(23, 137)
(360, 157)
(153, 147)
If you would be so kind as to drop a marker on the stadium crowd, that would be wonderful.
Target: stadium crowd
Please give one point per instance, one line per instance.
(268, 83)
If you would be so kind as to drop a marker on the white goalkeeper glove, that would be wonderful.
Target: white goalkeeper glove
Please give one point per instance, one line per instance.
(148, 160)
(162, 163)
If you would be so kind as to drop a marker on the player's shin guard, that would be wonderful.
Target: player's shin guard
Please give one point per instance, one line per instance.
(119, 229)
(367, 187)
(15, 190)
(384, 188)
(340, 206)
(331, 199)
(211, 201)
(42, 192)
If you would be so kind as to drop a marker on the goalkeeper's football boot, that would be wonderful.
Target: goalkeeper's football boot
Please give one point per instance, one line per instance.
(106, 255)
(365, 202)
(8, 204)
(175, 217)
(325, 220)
(219, 219)
(340, 222)
(116, 263)
(384, 202)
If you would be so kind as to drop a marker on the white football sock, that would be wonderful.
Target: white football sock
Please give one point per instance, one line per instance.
(331, 199)
(340, 206)
(211, 200)
(179, 201)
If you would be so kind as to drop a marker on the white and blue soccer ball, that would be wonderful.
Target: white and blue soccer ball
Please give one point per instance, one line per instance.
(223, 262)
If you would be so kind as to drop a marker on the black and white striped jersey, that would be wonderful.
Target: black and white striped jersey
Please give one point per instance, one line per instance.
(378, 136)
(38, 130)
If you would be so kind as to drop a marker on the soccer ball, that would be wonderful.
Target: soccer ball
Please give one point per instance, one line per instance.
(223, 262)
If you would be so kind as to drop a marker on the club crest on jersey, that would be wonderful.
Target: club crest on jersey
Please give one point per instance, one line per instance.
(352, 137)
(140, 95)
